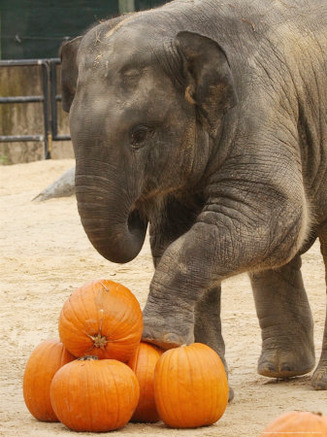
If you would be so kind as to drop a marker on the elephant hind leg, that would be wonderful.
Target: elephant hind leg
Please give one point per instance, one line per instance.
(285, 320)
(319, 378)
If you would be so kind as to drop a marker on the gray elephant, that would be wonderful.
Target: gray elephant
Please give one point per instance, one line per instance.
(207, 120)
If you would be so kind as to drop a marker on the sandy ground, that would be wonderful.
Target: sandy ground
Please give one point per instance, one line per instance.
(45, 255)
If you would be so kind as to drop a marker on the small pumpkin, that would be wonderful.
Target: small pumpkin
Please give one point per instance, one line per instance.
(45, 360)
(143, 364)
(94, 395)
(102, 318)
(297, 423)
(190, 386)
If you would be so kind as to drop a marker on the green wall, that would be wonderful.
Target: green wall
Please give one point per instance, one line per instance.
(32, 29)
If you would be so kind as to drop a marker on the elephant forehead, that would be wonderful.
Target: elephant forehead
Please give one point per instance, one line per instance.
(126, 43)
(120, 62)
(132, 69)
(126, 92)
(121, 66)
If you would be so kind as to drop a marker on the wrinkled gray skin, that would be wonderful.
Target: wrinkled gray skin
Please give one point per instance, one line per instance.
(207, 121)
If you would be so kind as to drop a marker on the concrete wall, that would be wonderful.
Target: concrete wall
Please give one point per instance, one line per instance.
(27, 118)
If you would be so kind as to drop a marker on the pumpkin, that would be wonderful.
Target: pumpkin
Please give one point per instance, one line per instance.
(143, 364)
(94, 395)
(48, 357)
(190, 386)
(102, 319)
(297, 423)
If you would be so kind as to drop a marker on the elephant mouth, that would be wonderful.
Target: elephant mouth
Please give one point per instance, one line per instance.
(137, 223)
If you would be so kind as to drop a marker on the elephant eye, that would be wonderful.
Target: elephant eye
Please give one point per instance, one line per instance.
(139, 135)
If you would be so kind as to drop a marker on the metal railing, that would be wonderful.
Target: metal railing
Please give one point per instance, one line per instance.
(49, 98)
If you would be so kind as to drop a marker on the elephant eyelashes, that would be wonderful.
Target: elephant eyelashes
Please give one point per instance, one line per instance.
(138, 136)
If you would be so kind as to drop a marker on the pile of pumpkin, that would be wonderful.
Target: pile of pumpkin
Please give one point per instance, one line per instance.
(100, 375)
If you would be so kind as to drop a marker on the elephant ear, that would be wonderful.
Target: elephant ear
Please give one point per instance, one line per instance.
(68, 53)
(209, 80)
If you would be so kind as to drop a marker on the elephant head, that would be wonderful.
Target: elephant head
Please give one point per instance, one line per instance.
(145, 108)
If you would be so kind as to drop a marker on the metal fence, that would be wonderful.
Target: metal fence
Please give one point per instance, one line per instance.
(49, 98)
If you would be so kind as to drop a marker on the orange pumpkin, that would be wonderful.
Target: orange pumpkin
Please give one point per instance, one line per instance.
(48, 357)
(102, 318)
(143, 364)
(190, 386)
(297, 423)
(94, 395)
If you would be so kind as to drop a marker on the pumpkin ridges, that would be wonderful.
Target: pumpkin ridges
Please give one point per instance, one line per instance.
(195, 382)
(129, 321)
(143, 364)
(174, 363)
(126, 320)
(111, 320)
(117, 420)
(287, 423)
(134, 392)
(158, 398)
(210, 398)
(75, 324)
(84, 395)
(208, 394)
(220, 397)
(79, 308)
(92, 405)
(40, 368)
(181, 377)
(296, 422)
(195, 370)
(168, 390)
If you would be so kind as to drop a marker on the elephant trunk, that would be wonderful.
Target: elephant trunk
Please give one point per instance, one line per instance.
(112, 223)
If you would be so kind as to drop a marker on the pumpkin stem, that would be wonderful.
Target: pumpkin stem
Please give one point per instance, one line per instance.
(317, 413)
(88, 358)
(99, 340)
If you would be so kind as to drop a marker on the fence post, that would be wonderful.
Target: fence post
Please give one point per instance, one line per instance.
(45, 86)
(48, 98)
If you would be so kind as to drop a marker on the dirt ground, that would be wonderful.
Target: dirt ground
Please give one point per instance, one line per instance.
(45, 255)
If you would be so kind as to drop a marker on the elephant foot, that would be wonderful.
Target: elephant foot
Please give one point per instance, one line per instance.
(166, 325)
(165, 341)
(285, 364)
(166, 333)
(319, 377)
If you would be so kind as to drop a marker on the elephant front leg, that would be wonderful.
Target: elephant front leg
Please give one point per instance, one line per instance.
(181, 280)
(285, 320)
(319, 378)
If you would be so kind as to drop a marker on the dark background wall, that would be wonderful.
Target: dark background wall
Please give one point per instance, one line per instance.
(32, 29)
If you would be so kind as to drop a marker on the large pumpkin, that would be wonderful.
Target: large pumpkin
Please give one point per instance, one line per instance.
(190, 386)
(45, 360)
(102, 318)
(143, 363)
(297, 423)
(94, 395)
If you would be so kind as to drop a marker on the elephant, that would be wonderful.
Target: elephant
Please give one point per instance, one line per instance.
(204, 121)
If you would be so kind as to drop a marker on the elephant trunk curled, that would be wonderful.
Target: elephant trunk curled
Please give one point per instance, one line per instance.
(113, 225)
